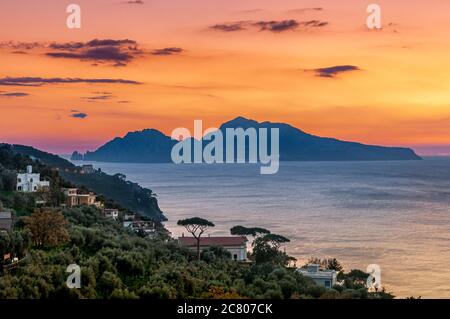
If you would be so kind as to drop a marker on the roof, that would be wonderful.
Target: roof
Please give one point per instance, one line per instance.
(213, 241)
(322, 274)
(5, 215)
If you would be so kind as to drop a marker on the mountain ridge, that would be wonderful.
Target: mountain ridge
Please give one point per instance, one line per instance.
(153, 146)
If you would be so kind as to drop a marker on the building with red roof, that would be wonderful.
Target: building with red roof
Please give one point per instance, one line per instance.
(236, 245)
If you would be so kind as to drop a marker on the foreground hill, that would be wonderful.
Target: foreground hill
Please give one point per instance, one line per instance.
(152, 146)
(125, 193)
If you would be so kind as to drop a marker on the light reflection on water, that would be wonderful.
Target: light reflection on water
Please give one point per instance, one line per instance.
(394, 214)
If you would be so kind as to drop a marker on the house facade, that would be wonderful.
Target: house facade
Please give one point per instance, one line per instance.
(324, 278)
(236, 245)
(29, 181)
(74, 199)
(6, 221)
(111, 213)
(128, 220)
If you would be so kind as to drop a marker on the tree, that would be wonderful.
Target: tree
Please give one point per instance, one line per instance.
(5, 244)
(246, 231)
(196, 226)
(47, 227)
(275, 240)
(266, 249)
(330, 263)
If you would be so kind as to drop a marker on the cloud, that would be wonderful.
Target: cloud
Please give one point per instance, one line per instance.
(14, 94)
(251, 10)
(99, 96)
(314, 23)
(92, 44)
(167, 51)
(118, 52)
(230, 27)
(276, 26)
(98, 51)
(78, 115)
(38, 81)
(21, 46)
(331, 72)
(305, 10)
(135, 2)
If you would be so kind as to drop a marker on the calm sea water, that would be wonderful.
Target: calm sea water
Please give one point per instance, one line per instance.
(394, 214)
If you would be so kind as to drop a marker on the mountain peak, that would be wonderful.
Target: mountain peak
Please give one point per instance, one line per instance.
(240, 121)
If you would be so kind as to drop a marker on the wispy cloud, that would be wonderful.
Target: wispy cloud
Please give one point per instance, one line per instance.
(167, 51)
(14, 94)
(229, 27)
(99, 96)
(21, 46)
(333, 71)
(140, 2)
(305, 10)
(38, 81)
(275, 26)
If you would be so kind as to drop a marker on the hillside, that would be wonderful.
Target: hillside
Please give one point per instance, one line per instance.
(152, 146)
(127, 194)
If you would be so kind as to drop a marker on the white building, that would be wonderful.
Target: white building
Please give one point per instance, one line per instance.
(324, 278)
(128, 220)
(111, 213)
(236, 245)
(30, 182)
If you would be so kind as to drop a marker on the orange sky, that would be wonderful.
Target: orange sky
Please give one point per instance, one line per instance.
(397, 94)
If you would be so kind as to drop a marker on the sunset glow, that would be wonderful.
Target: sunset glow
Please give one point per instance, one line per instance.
(216, 60)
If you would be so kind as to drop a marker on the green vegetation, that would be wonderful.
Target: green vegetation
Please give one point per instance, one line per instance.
(118, 263)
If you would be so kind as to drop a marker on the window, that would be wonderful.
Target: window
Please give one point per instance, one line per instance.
(19, 180)
(327, 284)
(235, 257)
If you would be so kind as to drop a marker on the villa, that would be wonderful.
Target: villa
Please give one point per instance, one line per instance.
(236, 245)
(324, 278)
(128, 219)
(111, 213)
(30, 182)
(144, 226)
(73, 198)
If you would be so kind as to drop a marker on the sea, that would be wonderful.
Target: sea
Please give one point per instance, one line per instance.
(395, 214)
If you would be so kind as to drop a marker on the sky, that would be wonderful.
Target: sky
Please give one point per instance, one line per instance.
(164, 63)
